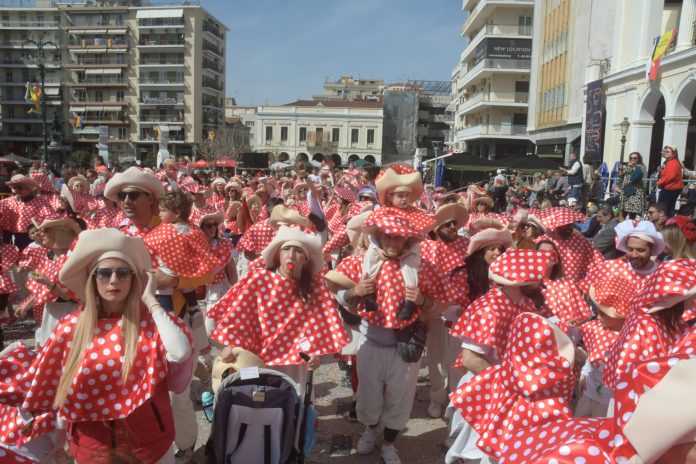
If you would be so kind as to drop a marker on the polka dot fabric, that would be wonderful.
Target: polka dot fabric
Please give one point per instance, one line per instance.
(559, 216)
(33, 256)
(50, 269)
(97, 392)
(12, 425)
(105, 218)
(390, 289)
(577, 255)
(520, 266)
(672, 279)
(222, 249)
(564, 300)
(531, 385)
(642, 337)
(613, 267)
(346, 192)
(488, 319)
(338, 240)
(198, 213)
(446, 256)
(187, 255)
(598, 341)
(257, 238)
(410, 222)
(264, 314)
(9, 255)
(18, 215)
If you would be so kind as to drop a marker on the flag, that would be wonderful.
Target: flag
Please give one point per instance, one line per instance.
(662, 44)
(440, 172)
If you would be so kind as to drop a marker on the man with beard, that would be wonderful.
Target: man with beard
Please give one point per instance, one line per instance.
(642, 243)
(483, 329)
(447, 250)
(17, 211)
(577, 253)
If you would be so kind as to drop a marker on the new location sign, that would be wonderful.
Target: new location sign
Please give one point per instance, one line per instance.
(500, 48)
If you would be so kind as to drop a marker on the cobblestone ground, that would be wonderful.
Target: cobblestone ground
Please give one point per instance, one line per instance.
(337, 436)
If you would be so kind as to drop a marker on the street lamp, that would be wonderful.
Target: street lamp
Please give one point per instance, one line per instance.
(40, 60)
(624, 130)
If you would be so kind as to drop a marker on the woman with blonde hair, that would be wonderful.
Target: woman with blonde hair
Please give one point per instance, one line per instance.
(108, 367)
(679, 234)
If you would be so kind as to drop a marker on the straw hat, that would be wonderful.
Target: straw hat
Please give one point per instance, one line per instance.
(309, 243)
(451, 212)
(281, 214)
(99, 244)
(79, 183)
(399, 178)
(19, 179)
(243, 359)
(354, 228)
(485, 199)
(217, 216)
(218, 181)
(58, 224)
(133, 177)
(489, 237)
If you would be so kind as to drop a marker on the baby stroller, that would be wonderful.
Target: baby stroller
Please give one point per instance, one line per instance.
(255, 420)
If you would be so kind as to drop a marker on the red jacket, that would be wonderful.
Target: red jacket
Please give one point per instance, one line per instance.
(671, 176)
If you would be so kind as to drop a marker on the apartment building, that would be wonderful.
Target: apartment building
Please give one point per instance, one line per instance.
(145, 71)
(348, 88)
(491, 79)
(320, 129)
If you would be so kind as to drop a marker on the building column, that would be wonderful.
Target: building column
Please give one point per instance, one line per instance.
(640, 134)
(676, 128)
(686, 24)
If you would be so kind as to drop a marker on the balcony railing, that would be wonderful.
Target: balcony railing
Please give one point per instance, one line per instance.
(157, 43)
(481, 5)
(212, 85)
(494, 97)
(158, 118)
(212, 48)
(213, 30)
(161, 101)
(178, 81)
(29, 24)
(97, 42)
(100, 81)
(212, 67)
(493, 130)
(160, 22)
(490, 63)
(147, 61)
(89, 60)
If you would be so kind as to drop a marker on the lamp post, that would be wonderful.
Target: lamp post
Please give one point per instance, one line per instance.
(624, 130)
(40, 60)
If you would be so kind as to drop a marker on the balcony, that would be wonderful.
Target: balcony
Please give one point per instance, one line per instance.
(113, 27)
(177, 82)
(161, 44)
(22, 137)
(511, 131)
(159, 119)
(19, 63)
(92, 83)
(488, 66)
(12, 43)
(213, 67)
(91, 44)
(161, 23)
(210, 48)
(99, 61)
(161, 101)
(29, 24)
(214, 86)
(210, 29)
(515, 99)
(481, 12)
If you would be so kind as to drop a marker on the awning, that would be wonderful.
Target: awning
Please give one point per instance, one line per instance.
(176, 13)
(77, 109)
(94, 108)
(556, 141)
(451, 107)
(109, 71)
(52, 91)
(116, 31)
(111, 108)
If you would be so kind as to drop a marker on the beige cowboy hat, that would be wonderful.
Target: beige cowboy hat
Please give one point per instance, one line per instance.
(489, 237)
(79, 183)
(243, 359)
(135, 178)
(486, 200)
(97, 245)
(309, 243)
(451, 212)
(217, 216)
(391, 181)
(281, 214)
(18, 179)
(354, 228)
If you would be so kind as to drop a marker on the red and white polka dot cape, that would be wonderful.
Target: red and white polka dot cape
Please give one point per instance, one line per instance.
(231, 225)
(532, 385)
(33, 256)
(97, 392)
(390, 286)
(18, 215)
(598, 341)
(263, 313)
(257, 238)
(187, 255)
(488, 319)
(565, 301)
(198, 213)
(217, 201)
(446, 256)
(642, 337)
(578, 254)
(106, 218)
(53, 199)
(9, 255)
(50, 269)
(127, 227)
(604, 269)
(418, 218)
(223, 250)
(338, 240)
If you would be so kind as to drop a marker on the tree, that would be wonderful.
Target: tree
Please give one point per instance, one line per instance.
(222, 143)
(82, 158)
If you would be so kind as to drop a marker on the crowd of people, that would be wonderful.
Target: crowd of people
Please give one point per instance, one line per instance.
(552, 330)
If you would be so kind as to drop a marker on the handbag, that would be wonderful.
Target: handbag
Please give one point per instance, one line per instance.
(410, 341)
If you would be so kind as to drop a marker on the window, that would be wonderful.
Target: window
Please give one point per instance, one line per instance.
(99, 95)
(370, 136)
(269, 133)
(354, 135)
(120, 95)
(10, 112)
(122, 133)
(8, 76)
(335, 134)
(320, 134)
(284, 134)
(303, 134)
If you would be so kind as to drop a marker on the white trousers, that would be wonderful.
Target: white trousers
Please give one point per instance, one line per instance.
(185, 423)
(386, 386)
(442, 350)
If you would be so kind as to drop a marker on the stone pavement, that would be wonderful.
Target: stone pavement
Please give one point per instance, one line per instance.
(337, 436)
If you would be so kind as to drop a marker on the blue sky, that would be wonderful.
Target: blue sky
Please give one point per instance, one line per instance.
(279, 51)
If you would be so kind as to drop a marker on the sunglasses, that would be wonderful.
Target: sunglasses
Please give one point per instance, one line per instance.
(104, 273)
(132, 195)
(451, 224)
(208, 225)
